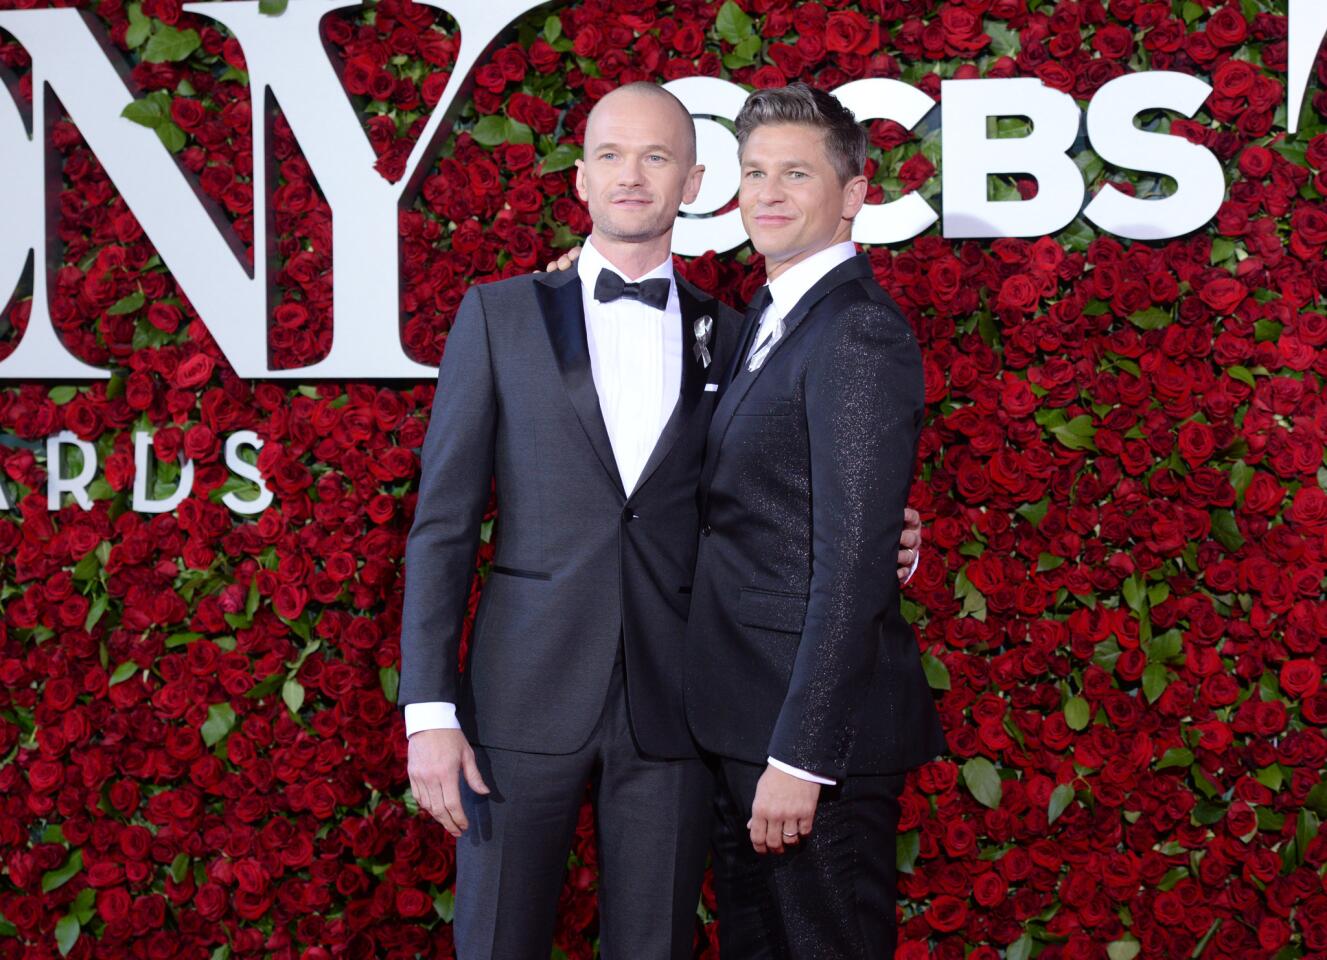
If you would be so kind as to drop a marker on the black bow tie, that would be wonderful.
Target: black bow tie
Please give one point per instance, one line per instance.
(652, 293)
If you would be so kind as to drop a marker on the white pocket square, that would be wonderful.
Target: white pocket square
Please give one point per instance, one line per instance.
(711, 387)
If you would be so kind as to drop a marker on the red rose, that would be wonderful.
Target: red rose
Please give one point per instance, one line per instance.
(1196, 443)
(1227, 27)
(1300, 678)
(1019, 293)
(195, 371)
(1222, 294)
(847, 31)
(1113, 41)
(1309, 508)
(947, 914)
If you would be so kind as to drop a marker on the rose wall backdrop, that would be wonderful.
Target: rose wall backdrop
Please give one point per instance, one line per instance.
(1122, 479)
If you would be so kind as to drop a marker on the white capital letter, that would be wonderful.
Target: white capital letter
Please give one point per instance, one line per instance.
(878, 98)
(56, 482)
(143, 467)
(248, 471)
(969, 157)
(1201, 184)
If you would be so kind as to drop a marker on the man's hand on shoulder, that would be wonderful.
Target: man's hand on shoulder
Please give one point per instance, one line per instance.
(436, 760)
(783, 811)
(565, 261)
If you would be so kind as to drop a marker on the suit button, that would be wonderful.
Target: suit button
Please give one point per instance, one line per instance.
(627, 515)
(706, 530)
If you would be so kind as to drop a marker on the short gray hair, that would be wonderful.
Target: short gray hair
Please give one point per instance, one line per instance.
(845, 138)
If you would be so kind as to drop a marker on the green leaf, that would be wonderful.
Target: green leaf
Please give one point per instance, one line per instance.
(390, 680)
(292, 693)
(62, 395)
(1077, 434)
(1034, 512)
(1077, 713)
(171, 136)
(1241, 374)
(66, 933)
(1166, 647)
(1155, 681)
(1048, 561)
(169, 45)
(95, 611)
(179, 867)
(84, 905)
(127, 304)
(1153, 318)
(52, 879)
(220, 720)
(983, 781)
(1266, 331)
(1222, 249)
(122, 673)
(1123, 949)
(1225, 530)
(445, 904)
(149, 111)
(490, 131)
(1175, 757)
(1076, 237)
(733, 24)
(1317, 799)
(937, 674)
(1004, 41)
(1271, 777)
(1061, 797)
(1241, 475)
(1134, 595)
(273, 8)
(563, 156)
(552, 29)
(139, 26)
(1020, 949)
(907, 850)
(744, 54)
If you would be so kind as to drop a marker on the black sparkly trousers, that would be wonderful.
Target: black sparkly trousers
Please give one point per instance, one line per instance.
(830, 897)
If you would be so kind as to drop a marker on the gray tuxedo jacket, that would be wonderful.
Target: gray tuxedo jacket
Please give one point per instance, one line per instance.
(579, 566)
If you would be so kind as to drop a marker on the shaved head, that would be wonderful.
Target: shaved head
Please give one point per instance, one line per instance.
(660, 99)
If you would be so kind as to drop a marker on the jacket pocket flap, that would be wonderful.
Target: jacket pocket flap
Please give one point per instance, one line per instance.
(773, 611)
(764, 408)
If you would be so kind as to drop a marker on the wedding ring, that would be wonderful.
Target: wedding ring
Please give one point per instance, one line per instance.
(790, 834)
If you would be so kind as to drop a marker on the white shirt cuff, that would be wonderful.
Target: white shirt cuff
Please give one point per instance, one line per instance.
(799, 774)
(433, 715)
(916, 559)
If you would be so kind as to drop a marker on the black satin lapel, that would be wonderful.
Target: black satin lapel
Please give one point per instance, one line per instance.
(564, 318)
(694, 376)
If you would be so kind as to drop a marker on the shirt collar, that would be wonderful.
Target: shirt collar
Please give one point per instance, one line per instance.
(791, 285)
(591, 261)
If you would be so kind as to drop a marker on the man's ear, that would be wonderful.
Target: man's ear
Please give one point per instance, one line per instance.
(692, 188)
(854, 195)
(582, 188)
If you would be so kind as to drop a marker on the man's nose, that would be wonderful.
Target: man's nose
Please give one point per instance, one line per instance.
(629, 175)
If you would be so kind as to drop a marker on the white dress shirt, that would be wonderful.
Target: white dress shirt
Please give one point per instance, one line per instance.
(636, 362)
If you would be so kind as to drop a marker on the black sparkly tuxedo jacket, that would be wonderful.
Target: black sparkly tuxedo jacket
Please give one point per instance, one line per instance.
(796, 646)
(579, 566)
